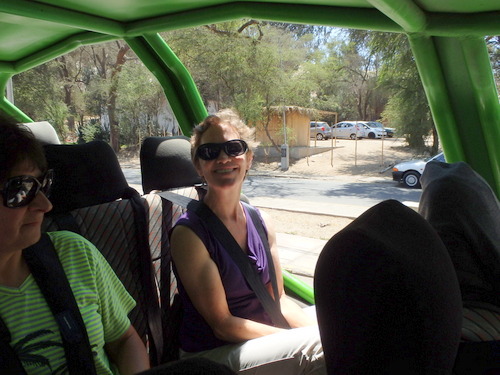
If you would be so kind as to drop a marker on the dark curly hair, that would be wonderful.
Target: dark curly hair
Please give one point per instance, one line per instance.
(18, 145)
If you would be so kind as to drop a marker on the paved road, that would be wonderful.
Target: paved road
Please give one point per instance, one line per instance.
(328, 191)
(133, 176)
(325, 196)
(322, 195)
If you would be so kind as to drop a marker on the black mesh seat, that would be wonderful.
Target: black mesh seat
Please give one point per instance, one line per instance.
(387, 296)
(91, 197)
(166, 165)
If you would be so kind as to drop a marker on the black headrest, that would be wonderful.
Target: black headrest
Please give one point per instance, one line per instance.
(84, 175)
(387, 297)
(465, 212)
(166, 163)
(43, 132)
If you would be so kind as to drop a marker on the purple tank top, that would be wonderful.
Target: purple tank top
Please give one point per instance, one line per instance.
(195, 333)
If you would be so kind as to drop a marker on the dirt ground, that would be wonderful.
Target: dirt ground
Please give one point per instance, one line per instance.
(348, 160)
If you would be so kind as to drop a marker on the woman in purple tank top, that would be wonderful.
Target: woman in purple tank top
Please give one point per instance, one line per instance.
(223, 319)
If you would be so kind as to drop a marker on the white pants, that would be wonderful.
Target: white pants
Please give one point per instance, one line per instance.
(295, 351)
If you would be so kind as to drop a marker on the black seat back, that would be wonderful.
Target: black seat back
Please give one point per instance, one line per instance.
(387, 297)
(91, 197)
(166, 164)
(463, 209)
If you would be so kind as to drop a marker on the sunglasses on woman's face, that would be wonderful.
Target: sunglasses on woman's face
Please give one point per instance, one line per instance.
(211, 151)
(20, 191)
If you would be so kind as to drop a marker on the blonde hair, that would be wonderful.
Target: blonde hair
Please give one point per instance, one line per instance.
(226, 117)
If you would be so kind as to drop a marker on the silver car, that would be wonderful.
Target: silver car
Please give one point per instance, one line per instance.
(349, 129)
(373, 132)
(320, 130)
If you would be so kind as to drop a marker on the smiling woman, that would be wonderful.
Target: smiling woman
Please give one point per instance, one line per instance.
(225, 319)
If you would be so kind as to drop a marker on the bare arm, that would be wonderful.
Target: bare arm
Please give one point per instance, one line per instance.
(292, 312)
(201, 279)
(128, 353)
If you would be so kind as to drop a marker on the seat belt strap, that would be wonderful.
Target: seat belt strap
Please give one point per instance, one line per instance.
(9, 361)
(271, 306)
(152, 308)
(265, 241)
(49, 274)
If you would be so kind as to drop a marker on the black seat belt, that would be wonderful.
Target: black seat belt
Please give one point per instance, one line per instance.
(152, 308)
(66, 221)
(50, 277)
(270, 305)
(9, 362)
(265, 241)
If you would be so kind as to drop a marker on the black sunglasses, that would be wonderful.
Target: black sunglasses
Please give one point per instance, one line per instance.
(20, 191)
(211, 151)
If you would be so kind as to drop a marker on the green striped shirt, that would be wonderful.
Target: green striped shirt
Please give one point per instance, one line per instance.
(103, 301)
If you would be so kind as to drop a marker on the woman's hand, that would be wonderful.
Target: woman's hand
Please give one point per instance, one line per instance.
(292, 312)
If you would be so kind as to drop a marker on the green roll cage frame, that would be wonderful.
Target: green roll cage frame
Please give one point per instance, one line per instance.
(447, 38)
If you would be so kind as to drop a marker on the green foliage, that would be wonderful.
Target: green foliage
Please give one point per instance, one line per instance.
(245, 69)
(139, 101)
(290, 135)
(38, 93)
(407, 109)
(493, 44)
(92, 131)
(251, 66)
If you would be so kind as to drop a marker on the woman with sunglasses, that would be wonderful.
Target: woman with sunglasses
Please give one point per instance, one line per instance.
(103, 302)
(223, 319)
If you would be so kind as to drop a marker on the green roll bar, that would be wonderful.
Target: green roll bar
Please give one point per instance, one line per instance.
(449, 50)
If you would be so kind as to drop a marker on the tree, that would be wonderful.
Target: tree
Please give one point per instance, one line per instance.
(493, 43)
(247, 65)
(37, 93)
(407, 109)
(140, 99)
(108, 60)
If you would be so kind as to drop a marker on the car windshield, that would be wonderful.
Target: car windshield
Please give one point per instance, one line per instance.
(374, 124)
(438, 157)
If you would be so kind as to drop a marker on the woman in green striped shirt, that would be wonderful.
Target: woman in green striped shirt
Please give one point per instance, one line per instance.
(102, 300)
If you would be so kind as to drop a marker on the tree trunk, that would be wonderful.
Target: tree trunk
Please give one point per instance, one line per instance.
(114, 131)
(266, 129)
(68, 94)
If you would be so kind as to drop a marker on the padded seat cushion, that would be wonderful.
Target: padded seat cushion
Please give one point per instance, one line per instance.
(43, 132)
(111, 228)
